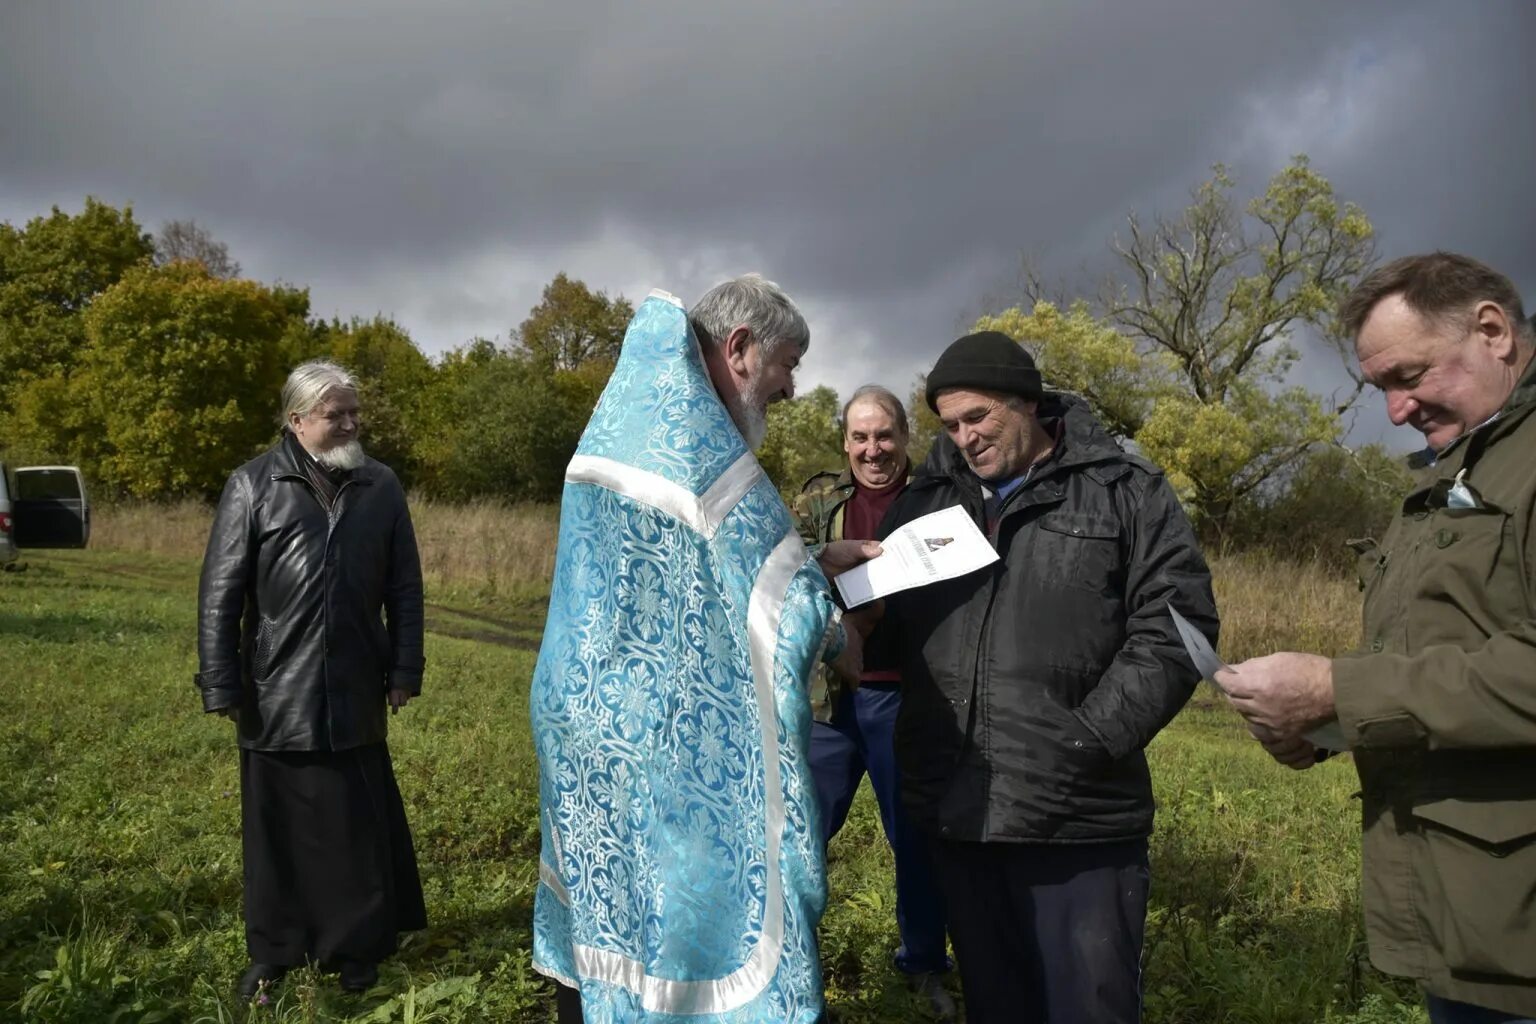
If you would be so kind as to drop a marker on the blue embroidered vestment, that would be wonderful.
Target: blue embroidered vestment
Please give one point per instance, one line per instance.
(681, 872)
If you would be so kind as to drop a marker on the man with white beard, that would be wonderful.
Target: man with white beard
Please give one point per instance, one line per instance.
(309, 622)
(681, 872)
(752, 337)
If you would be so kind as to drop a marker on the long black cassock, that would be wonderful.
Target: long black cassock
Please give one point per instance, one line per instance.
(300, 564)
(330, 873)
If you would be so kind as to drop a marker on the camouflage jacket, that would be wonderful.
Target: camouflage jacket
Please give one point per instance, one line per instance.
(819, 507)
(819, 517)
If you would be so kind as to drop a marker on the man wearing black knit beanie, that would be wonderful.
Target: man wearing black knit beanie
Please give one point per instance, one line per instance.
(1030, 688)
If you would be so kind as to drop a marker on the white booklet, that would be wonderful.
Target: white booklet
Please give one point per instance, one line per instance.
(939, 546)
(1329, 735)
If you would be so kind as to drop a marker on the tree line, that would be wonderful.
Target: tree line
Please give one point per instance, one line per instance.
(152, 363)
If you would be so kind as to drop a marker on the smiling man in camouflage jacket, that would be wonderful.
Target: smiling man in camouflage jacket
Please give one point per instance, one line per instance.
(1439, 704)
(853, 733)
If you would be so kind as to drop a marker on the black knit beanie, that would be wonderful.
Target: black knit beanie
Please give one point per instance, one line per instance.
(986, 361)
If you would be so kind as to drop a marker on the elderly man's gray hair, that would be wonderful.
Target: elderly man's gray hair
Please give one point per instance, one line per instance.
(753, 302)
(308, 385)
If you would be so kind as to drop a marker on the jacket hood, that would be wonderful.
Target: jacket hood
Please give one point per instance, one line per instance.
(1084, 440)
(1525, 391)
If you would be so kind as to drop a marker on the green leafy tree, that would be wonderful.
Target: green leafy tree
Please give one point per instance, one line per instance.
(1080, 353)
(393, 380)
(50, 271)
(435, 448)
(506, 427)
(53, 420)
(573, 326)
(923, 422)
(505, 422)
(182, 372)
(803, 439)
(1328, 497)
(1189, 355)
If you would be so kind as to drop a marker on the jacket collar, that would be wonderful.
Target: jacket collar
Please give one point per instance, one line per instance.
(846, 482)
(285, 464)
(1083, 442)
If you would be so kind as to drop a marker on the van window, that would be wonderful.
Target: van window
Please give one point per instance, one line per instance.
(48, 485)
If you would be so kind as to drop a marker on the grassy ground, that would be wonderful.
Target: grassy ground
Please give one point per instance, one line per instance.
(119, 829)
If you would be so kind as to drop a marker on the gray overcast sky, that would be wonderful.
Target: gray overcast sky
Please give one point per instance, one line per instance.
(887, 161)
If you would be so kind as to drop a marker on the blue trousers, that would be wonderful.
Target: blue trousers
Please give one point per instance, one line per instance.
(860, 739)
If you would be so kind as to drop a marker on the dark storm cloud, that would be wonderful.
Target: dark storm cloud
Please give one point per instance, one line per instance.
(887, 162)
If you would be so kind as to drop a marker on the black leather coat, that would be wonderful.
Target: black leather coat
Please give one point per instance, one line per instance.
(289, 608)
(1030, 687)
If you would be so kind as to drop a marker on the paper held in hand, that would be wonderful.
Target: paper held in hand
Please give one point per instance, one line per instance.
(939, 546)
(1328, 736)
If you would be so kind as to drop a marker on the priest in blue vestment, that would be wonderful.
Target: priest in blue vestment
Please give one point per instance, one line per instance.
(681, 876)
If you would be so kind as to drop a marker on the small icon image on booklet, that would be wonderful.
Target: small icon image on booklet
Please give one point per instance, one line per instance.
(938, 546)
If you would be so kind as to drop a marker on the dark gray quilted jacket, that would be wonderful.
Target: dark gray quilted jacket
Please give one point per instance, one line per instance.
(1031, 687)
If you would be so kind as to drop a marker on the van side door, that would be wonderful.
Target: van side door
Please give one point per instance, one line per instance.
(50, 508)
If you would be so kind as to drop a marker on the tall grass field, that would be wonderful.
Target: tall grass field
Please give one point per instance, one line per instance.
(119, 809)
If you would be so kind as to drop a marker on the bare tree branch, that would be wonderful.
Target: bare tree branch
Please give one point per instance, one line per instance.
(186, 240)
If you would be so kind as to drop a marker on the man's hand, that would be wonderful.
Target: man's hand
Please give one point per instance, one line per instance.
(857, 625)
(849, 665)
(1297, 752)
(864, 618)
(231, 712)
(1284, 695)
(397, 700)
(839, 556)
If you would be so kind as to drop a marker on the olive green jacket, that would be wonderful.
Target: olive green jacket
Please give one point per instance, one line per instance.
(1439, 707)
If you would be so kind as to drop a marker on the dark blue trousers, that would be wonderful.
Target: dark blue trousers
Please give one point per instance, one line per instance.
(1446, 1011)
(1047, 934)
(860, 739)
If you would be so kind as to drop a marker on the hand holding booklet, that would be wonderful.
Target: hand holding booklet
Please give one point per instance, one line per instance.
(939, 546)
(1328, 736)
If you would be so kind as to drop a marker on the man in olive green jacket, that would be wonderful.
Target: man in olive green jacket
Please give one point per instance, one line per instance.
(1439, 704)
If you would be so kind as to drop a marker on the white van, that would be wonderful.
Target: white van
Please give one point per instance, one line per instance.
(42, 507)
